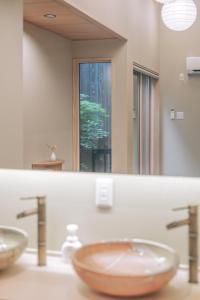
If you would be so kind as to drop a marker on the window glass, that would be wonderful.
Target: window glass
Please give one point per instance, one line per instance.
(95, 116)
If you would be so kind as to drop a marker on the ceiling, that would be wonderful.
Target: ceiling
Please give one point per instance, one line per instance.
(69, 22)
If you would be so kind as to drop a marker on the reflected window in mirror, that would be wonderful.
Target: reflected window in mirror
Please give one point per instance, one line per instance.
(94, 109)
(146, 124)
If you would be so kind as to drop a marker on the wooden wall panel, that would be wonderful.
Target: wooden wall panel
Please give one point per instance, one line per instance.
(69, 22)
(37, 1)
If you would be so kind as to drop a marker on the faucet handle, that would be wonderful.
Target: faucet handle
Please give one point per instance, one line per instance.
(33, 198)
(181, 208)
(28, 198)
(189, 207)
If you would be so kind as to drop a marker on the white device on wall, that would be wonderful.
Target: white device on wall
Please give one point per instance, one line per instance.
(104, 192)
(193, 65)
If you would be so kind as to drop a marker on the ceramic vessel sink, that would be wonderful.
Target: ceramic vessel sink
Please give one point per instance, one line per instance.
(13, 242)
(126, 268)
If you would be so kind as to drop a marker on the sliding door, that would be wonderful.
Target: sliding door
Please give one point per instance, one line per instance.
(146, 125)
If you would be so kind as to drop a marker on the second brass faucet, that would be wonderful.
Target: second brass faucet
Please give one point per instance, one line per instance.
(41, 212)
(192, 222)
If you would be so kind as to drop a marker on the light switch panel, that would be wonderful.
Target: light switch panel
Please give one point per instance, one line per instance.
(104, 192)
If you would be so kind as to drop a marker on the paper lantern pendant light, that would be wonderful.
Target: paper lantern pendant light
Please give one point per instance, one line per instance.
(179, 15)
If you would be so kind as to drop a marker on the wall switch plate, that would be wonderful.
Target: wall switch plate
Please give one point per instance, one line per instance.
(179, 115)
(181, 77)
(104, 192)
(172, 114)
(134, 114)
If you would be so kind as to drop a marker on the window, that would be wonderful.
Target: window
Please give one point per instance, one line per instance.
(94, 112)
(146, 125)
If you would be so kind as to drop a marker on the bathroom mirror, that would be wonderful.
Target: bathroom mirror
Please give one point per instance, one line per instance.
(96, 101)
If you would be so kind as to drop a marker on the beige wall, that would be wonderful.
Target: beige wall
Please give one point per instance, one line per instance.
(11, 127)
(180, 139)
(138, 21)
(47, 85)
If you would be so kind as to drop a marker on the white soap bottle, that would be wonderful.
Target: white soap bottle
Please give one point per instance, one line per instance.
(71, 244)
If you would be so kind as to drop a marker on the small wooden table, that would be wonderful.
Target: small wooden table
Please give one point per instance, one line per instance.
(56, 165)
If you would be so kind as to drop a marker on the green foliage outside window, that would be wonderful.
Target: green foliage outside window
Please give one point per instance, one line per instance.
(92, 118)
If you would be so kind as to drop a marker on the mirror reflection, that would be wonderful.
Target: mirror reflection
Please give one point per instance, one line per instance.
(96, 101)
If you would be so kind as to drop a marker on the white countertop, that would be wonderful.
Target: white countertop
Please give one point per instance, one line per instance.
(57, 281)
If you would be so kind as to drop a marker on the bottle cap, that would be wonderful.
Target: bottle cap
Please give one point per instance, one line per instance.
(72, 229)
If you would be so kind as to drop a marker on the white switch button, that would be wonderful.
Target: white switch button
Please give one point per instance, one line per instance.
(104, 192)
(181, 77)
(172, 114)
(179, 115)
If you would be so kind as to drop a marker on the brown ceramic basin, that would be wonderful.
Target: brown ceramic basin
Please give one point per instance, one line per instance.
(13, 242)
(126, 268)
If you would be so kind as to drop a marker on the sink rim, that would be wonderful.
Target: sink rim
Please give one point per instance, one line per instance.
(172, 268)
(19, 231)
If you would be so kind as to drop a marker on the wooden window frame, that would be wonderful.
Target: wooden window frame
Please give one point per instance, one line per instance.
(155, 131)
(76, 107)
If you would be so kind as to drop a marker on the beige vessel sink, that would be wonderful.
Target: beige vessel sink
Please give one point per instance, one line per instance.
(126, 268)
(13, 242)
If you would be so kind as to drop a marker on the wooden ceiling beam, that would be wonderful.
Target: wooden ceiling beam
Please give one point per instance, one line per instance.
(69, 22)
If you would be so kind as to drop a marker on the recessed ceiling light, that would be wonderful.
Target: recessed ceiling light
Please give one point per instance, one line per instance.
(50, 16)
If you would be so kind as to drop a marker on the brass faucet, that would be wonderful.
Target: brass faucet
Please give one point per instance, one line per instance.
(41, 212)
(192, 222)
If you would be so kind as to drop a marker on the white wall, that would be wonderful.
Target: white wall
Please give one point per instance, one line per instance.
(47, 86)
(11, 127)
(142, 206)
(180, 139)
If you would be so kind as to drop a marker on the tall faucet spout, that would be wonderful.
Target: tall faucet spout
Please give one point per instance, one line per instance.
(41, 225)
(192, 223)
(27, 213)
(178, 224)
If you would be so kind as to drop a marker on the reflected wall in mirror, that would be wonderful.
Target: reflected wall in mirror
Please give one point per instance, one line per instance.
(84, 93)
